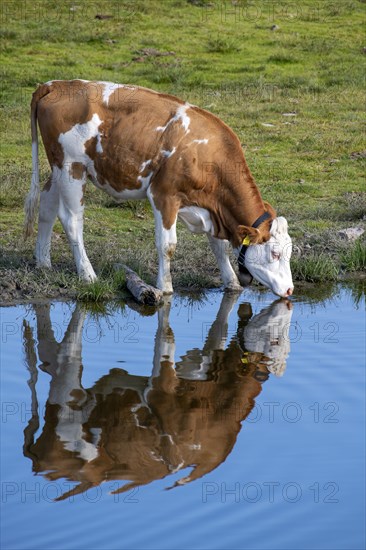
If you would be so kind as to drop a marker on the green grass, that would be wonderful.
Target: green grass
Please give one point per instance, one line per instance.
(355, 257)
(226, 58)
(98, 291)
(221, 44)
(316, 268)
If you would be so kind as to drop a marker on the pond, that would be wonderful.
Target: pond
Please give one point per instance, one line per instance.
(221, 421)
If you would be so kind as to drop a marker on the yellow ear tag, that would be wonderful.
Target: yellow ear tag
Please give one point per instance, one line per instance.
(246, 241)
(245, 359)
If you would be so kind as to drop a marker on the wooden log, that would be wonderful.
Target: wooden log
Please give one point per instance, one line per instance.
(142, 292)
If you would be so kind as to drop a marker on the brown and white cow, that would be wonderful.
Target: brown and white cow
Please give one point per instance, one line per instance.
(135, 143)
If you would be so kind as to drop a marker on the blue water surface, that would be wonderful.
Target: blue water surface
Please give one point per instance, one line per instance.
(228, 422)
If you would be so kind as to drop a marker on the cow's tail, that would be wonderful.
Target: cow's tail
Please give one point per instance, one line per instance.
(31, 202)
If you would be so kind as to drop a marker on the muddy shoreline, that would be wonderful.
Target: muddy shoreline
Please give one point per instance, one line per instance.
(13, 292)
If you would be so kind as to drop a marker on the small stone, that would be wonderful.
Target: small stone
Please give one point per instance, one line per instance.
(358, 155)
(289, 114)
(351, 233)
(275, 28)
(301, 181)
(307, 246)
(267, 124)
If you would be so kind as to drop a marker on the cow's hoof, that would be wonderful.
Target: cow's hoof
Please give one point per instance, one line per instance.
(233, 287)
(88, 278)
(166, 288)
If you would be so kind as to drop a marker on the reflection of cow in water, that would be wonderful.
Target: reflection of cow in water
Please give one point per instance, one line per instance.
(139, 428)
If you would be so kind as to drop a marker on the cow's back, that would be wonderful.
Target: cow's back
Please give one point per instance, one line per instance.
(126, 135)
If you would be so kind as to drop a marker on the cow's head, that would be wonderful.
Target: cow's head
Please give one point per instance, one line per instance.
(267, 258)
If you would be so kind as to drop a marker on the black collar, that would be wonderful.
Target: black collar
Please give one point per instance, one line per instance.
(241, 259)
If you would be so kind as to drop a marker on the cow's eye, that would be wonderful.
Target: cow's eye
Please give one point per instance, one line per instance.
(275, 255)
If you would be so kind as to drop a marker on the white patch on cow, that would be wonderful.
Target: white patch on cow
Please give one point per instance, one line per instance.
(145, 181)
(154, 457)
(73, 145)
(198, 220)
(111, 87)
(72, 434)
(126, 194)
(96, 435)
(73, 141)
(168, 154)
(99, 147)
(144, 165)
(166, 240)
(203, 141)
(181, 115)
(196, 370)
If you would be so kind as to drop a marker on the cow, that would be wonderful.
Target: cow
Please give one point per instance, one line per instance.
(133, 143)
(138, 429)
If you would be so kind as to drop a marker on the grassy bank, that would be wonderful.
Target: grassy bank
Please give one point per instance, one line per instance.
(294, 95)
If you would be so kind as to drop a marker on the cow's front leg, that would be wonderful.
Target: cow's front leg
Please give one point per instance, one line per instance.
(229, 278)
(166, 242)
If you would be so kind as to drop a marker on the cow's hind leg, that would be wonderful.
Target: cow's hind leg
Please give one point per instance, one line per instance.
(166, 242)
(71, 213)
(48, 207)
(219, 248)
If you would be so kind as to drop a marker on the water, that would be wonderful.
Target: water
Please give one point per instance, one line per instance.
(251, 412)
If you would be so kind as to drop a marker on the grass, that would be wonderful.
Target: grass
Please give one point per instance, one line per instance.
(221, 44)
(316, 268)
(355, 257)
(98, 291)
(228, 60)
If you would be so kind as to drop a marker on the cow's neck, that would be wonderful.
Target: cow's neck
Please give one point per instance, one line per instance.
(243, 203)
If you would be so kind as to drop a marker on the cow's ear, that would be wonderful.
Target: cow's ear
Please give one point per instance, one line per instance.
(252, 233)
